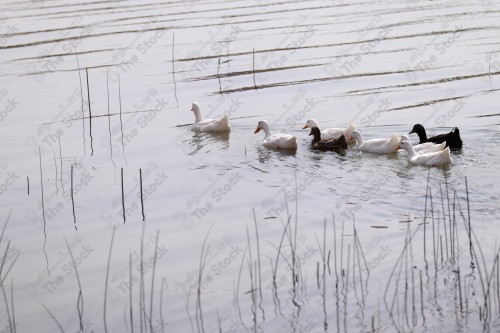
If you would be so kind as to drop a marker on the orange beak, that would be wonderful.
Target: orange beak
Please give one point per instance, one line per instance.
(257, 130)
(305, 126)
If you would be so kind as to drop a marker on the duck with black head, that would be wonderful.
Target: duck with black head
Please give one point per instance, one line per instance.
(452, 138)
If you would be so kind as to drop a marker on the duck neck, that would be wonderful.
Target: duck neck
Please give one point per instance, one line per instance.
(267, 130)
(358, 137)
(316, 139)
(411, 151)
(422, 136)
(197, 115)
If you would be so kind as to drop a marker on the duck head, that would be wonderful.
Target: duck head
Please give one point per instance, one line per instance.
(317, 134)
(263, 125)
(310, 124)
(420, 130)
(197, 113)
(417, 128)
(356, 135)
(405, 137)
(406, 145)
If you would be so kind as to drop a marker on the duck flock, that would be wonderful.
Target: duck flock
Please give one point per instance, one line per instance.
(433, 151)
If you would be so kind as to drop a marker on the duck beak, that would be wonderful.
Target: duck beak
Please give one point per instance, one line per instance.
(305, 126)
(412, 131)
(257, 130)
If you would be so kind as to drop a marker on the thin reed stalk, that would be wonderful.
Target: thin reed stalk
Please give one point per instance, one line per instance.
(7, 309)
(173, 68)
(106, 281)
(237, 292)
(142, 312)
(325, 322)
(121, 120)
(131, 314)
(142, 200)
(43, 212)
(201, 268)
(90, 113)
(109, 119)
(335, 250)
(162, 323)
(81, 98)
(123, 197)
(56, 178)
(153, 283)
(421, 297)
(12, 306)
(79, 302)
(444, 222)
(60, 162)
(73, 199)
(53, 318)
(258, 264)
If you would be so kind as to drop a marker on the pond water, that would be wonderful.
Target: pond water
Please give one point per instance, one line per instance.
(231, 236)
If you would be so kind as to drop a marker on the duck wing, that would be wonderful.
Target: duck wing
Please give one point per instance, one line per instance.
(280, 140)
(337, 145)
(439, 138)
(215, 125)
(452, 139)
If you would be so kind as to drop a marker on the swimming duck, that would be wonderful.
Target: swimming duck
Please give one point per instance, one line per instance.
(278, 140)
(438, 158)
(209, 125)
(337, 145)
(379, 146)
(332, 133)
(426, 147)
(452, 138)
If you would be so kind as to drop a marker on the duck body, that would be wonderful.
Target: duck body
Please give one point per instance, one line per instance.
(209, 125)
(338, 145)
(278, 140)
(432, 159)
(332, 133)
(452, 139)
(377, 146)
(426, 147)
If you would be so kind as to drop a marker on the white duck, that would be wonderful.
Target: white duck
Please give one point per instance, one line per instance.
(209, 125)
(438, 158)
(379, 146)
(426, 147)
(332, 133)
(278, 140)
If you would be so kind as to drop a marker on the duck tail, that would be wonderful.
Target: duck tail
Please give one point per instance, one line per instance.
(225, 120)
(448, 155)
(394, 141)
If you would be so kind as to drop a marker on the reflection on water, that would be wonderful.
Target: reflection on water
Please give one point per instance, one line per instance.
(206, 142)
(266, 154)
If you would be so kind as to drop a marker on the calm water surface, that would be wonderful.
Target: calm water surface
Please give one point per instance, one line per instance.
(340, 222)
